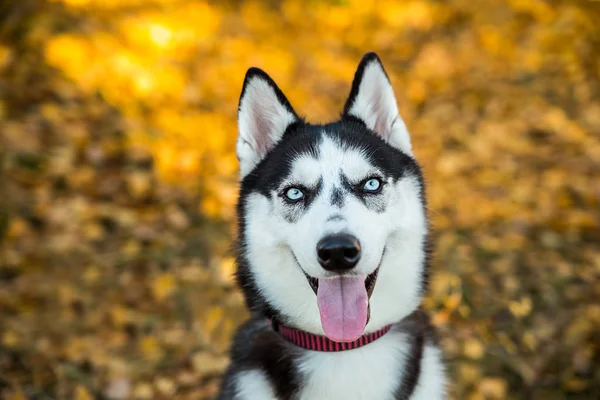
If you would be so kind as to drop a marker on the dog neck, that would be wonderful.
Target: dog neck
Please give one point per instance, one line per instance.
(311, 341)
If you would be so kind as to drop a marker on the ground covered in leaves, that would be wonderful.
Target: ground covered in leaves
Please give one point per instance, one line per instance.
(118, 182)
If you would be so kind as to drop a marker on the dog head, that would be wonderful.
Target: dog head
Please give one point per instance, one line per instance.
(332, 218)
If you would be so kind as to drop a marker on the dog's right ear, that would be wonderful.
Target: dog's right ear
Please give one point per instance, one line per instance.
(264, 114)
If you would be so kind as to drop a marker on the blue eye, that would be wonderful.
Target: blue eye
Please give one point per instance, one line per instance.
(372, 185)
(294, 194)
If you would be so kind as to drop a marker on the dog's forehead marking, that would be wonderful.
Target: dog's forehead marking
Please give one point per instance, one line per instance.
(306, 170)
(336, 158)
(333, 161)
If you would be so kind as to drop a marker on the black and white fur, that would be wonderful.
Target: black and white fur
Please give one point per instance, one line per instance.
(277, 240)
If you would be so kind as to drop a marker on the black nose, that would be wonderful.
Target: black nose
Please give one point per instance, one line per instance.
(338, 253)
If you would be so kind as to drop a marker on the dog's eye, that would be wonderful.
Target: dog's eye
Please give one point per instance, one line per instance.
(294, 194)
(373, 185)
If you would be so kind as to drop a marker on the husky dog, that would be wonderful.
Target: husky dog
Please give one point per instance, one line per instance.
(333, 251)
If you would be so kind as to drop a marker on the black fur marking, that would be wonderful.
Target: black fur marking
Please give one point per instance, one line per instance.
(335, 217)
(421, 332)
(258, 347)
(373, 201)
(412, 370)
(337, 197)
(376, 203)
(299, 140)
(293, 212)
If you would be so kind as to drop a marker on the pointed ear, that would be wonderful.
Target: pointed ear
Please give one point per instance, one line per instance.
(372, 100)
(263, 116)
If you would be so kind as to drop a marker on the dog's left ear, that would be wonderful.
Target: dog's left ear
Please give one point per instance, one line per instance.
(372, 100)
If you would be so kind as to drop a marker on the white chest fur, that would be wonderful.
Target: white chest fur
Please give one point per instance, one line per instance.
(371, 372)
(374, 371)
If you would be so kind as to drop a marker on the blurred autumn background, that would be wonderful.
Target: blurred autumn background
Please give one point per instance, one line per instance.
(118, 182)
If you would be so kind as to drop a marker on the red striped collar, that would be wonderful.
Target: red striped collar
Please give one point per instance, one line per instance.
(311, 341)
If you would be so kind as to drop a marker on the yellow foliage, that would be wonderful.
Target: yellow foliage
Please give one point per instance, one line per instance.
(520, 308)
(165, 386)
(143, 391)
(213, 319)
(18, 395)
(81, 393)
(119, 181)
(5, 55)
(10, 339)
(227, 268)
(150, 348)
(493, 388)
(474, 349)
(163, 286)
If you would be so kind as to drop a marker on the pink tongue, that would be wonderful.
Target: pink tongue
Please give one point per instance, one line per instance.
(343, 303)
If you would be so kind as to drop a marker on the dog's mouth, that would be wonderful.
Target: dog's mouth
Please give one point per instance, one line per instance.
(369, 282)
(344, 304)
